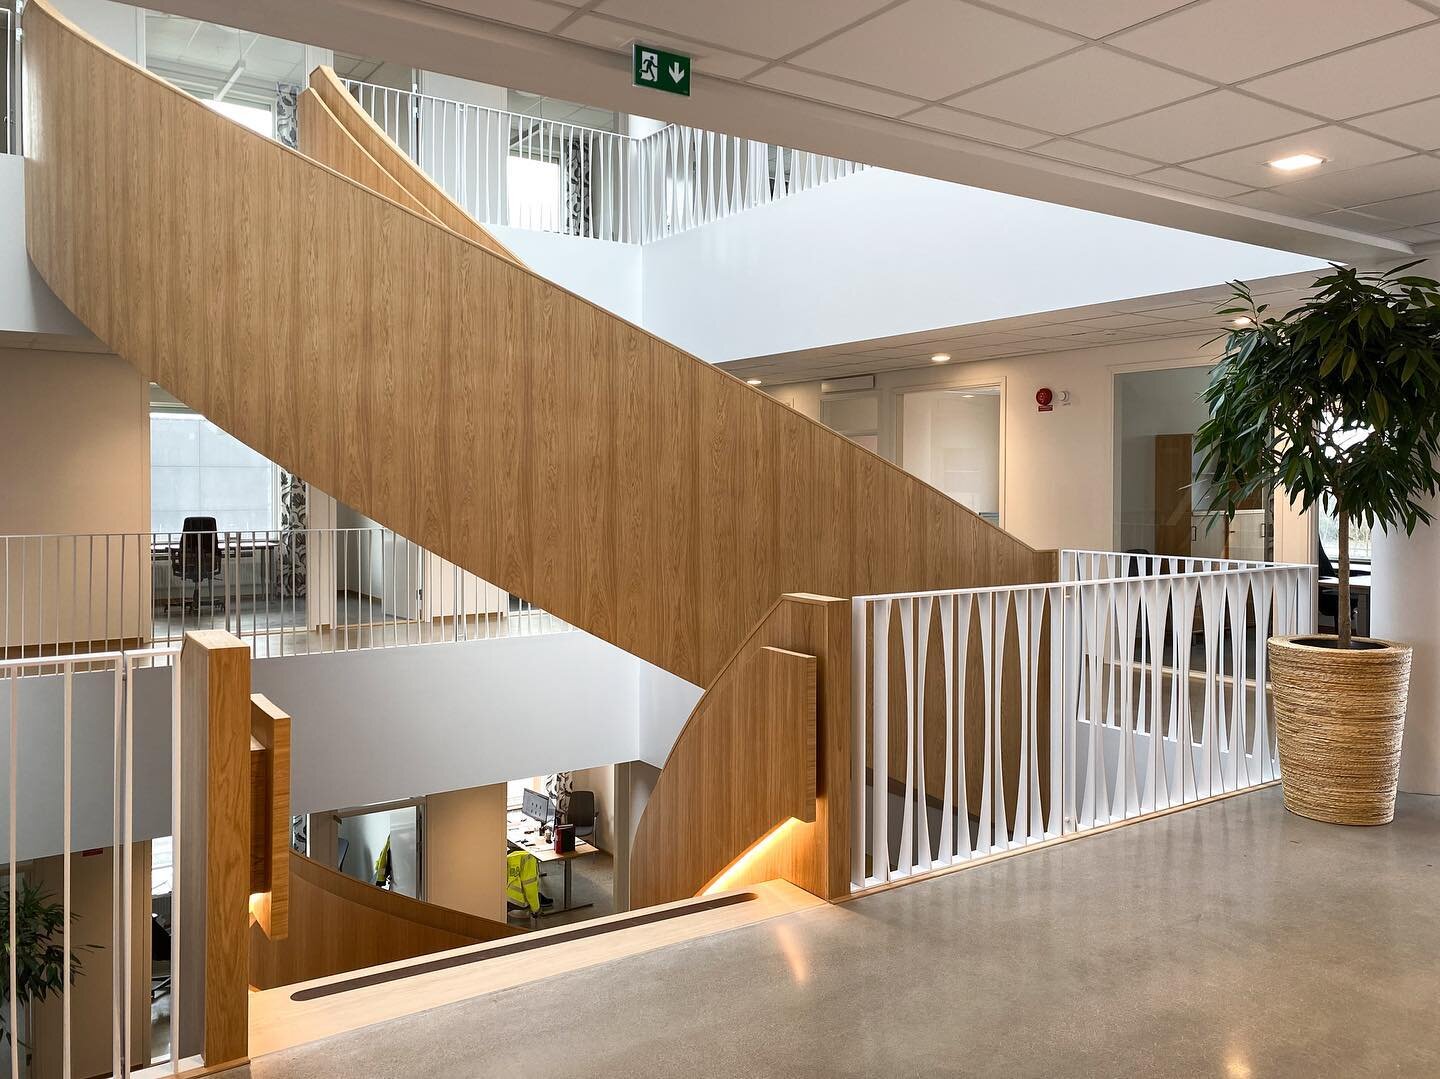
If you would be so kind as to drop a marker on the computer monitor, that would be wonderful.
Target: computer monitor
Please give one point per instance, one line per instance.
(536, 806)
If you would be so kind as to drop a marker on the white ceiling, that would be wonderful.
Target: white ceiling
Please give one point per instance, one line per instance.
(1192, 97)
(1161, 110)
(1189, 314)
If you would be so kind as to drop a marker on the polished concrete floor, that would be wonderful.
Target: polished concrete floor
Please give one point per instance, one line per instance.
(1232, 940)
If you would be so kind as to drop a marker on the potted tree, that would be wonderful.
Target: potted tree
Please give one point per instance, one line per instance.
(39, 953)
(1335, 402)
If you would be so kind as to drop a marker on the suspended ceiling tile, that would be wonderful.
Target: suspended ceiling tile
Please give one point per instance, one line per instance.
(1273, 201)
(1410, 210)
(939, 118)
(1095, 157)
(609, 34)
(933, 48)
(1093, 18)
(1379, 75)
(761, 27)
(1387, 180)
(1416, 124)
(1218, 121)
(1229, 40)
(531, 14)
(1342, 150)
(1194, 182)
(1079, 90)
(836, 91)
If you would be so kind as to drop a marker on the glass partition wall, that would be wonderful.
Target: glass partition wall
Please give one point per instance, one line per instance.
(1161, 496)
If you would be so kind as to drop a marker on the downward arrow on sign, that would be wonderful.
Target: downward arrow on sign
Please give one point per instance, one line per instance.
(677, 73)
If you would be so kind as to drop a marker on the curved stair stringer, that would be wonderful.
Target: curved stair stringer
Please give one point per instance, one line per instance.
(338, 923)
(473, 406)
(455, 396)
(756, 785)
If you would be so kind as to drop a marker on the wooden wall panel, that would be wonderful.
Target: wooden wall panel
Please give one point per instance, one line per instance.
(270, 817)
(449, 393)
(215, 845)
(338, 923)
(768, 742)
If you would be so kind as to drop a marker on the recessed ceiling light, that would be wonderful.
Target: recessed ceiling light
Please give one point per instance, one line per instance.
(940, 357)
(1295, 162)
(1241, 321)
(752, 382)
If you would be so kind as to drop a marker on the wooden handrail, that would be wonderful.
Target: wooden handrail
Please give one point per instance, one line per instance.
(510, 426)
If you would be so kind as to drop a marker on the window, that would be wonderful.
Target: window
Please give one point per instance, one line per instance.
(252, 116)
(533, 193)
(197, 470)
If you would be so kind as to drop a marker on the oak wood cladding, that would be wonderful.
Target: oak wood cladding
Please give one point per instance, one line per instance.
(338, 923)
(451, 394)
(769, 741)
(215, 704)
(270, 817)
(371, 137)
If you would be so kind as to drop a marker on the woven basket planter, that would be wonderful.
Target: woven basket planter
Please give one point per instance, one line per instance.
(1338, 721)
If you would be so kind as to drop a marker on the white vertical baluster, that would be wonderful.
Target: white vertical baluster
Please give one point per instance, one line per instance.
(964, 603)
(1127, 599)
(1236, 772)
(908, 860)
(997, 718)
(947, 799)
(13, 883)
(985, 842)
(1212, 601)
(1183, 591)
(924, 856)
(177, 853)
(1156, 599)
(67, 784)
(1263, 765)
(880, 742)
(857, 741)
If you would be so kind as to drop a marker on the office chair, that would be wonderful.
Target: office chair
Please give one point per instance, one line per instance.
(159, 956)
(582, 813)
(199, 558)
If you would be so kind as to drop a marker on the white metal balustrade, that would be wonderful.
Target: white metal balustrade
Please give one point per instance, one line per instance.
(994, 718)
(507, 168)
(56, 813)
(290, 592)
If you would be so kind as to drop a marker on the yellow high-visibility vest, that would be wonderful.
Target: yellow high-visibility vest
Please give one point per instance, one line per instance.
(522, 880)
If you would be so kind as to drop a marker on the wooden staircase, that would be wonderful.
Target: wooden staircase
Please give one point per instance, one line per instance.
(336, 312)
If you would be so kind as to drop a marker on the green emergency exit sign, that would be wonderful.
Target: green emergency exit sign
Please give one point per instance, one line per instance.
(661, 70)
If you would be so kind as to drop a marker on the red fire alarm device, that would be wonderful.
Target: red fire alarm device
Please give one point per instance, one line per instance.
(1045, 398)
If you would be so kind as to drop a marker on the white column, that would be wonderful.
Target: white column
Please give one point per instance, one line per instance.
(1405, 607)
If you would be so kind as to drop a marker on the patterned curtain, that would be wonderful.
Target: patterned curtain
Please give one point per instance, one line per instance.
(294, 518)
(286, 113)
(559, 787)
(577, 189)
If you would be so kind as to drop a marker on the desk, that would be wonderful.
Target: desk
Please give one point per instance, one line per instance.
(524, 832)
(1360, 591)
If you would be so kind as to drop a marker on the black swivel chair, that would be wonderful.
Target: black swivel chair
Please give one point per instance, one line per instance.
(582, 813)
(198, 560)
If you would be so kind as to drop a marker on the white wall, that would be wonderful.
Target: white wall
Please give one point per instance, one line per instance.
(385, 724)
(1058, 483)
(664, 704)
(882, 253)
(27, 305)
(607, 274)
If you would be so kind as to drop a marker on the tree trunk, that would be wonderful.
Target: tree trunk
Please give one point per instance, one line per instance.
(1342, 615)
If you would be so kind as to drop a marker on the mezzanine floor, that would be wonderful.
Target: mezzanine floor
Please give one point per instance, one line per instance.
(1230, 940)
